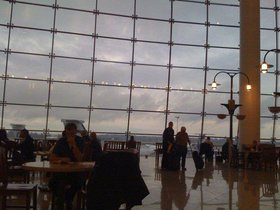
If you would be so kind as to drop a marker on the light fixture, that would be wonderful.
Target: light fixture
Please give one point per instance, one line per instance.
(248, 87)
(264, 65)
(214, 85)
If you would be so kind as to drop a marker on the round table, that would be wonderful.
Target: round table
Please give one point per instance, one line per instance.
(46, 166)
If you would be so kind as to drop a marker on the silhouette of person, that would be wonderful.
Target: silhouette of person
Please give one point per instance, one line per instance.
(167, 138)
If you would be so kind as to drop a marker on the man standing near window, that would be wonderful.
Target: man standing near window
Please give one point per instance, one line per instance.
(167, 139)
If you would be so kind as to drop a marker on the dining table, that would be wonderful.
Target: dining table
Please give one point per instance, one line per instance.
(56, 167)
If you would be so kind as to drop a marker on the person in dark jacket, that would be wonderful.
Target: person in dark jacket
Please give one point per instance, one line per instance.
(26, 146)
(167, 139)
(64, 186)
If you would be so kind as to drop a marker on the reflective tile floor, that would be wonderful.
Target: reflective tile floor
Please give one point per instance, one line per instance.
(216, 187)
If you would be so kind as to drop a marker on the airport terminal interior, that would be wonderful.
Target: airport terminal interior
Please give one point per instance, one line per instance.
(126, 68)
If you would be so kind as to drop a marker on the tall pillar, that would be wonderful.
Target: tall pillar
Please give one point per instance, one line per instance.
(249, 128)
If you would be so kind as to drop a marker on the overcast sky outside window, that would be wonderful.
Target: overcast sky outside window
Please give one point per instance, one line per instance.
(127, 65)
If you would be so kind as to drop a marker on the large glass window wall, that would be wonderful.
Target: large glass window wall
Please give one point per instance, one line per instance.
(127, 68)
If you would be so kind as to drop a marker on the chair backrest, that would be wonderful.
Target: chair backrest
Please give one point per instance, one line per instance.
(113, 145)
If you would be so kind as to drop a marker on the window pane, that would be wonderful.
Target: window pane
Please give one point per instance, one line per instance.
(4, 37)
(31, 41)
(124, 7)
(154, 99)
(213, 103)
(267, 19)
(70, 95)
(72, 70)
(75, 21)
(188, 11)
(150, 76)
(191, 79)
(150, 123)
(188, 56)
(229, 16)
(214, 126)
(34, 92)
(57, 114)
(109, 121)
(5, 10)
(112, 73)
(85, 4)
(265, 3)
(266, 128)
(114, 26)
(234, 2)
(192, 122)
(151, 53)
(181, 101)
(153, 30)
(277, 134)
(2, 63)
(73, 45)
(268, 82)
(113, 50)
(49, 2)
(268, 41)
(33, 16)
(224, 36)
(110, 97)
(217, 56)
(266, 101)
(151, 9)
(34, 118)
(189, 34)
(2, 90)
(35, 67)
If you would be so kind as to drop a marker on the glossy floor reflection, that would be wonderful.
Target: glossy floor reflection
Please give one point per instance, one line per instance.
(216, 187)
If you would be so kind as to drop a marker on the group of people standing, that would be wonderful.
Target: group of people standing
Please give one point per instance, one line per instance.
(177, 145)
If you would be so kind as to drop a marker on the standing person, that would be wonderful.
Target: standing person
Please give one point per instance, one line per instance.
(181, 142)
(167, 138)
(65, 185)
(131, 144)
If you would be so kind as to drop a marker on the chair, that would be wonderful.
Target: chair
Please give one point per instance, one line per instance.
(116, 178)
(7, 189)
(269, 157)
(158, 151)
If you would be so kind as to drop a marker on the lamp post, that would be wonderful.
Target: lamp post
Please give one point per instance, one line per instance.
(231, 106)
(273, 109)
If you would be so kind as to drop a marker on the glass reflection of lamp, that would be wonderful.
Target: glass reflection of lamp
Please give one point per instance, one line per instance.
(231, 106)
(264, 65)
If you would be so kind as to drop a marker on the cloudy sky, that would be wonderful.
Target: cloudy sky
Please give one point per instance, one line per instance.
(71, 71)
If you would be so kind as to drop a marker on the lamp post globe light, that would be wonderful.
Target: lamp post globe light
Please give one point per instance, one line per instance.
(264, 65)
(231, 105)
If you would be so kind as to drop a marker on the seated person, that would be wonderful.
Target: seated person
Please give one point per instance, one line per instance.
(206, 148)
(26, 148)
(65, 185)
